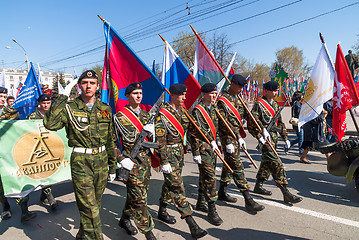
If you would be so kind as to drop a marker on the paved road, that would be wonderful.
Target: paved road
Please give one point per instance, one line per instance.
(329, 209)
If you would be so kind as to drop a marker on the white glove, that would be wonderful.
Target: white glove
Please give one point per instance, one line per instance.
(111, 177)
(287, 143)
(262, 140)
(167, 168)
(214, 146)
(197, 159)
(230, 148)
(127, 164)
(242, 143)
(150, 128)
(266, 134)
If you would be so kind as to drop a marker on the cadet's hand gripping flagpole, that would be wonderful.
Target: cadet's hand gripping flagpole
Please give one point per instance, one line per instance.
(199, 130)
(240, 98)
(235, 137)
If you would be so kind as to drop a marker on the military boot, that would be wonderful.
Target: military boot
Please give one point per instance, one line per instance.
(196, 231)
(80, 234)
(224, 196)
(26, 215)
(258, 188)
(251, 205)
(6, 213)
(288, 197)
(150, 236)
(126, 224)
(48, 199)
(201, 204)
(164, 216)
(213, 216)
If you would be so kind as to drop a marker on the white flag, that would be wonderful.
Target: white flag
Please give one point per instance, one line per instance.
(223, 81)
(319, 89)
(39, 76)
(60, 90)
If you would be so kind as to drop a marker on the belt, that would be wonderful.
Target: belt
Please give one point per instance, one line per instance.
(173, 145)
(89, 150)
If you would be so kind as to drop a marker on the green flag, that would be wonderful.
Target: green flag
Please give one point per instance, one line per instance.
(31, 157)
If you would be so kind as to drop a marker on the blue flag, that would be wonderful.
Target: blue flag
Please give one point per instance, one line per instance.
(26, 101)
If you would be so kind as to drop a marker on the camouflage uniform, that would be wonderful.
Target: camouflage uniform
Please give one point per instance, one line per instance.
(270, 164)
(90, 129)
(170, 150)
(207, 172)
(139, 177)
(234, 159)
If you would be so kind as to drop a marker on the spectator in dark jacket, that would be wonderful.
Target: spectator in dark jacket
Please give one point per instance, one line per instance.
(296, 106)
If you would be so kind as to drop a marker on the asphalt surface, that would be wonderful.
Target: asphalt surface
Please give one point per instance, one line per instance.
(329, 209)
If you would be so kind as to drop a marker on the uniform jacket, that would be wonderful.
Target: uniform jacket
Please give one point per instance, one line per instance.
(9, 113)
(84, 127)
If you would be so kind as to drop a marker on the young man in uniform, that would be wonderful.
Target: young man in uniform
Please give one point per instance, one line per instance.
(44, 104)
(88, 125)
(10, 113)
(10, 101)
(233, 112)
(263, 111)
(170, 131)
(207, 119)
(129, 122)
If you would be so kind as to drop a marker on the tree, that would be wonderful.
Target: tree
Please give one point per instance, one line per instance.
(185, 46)
(59, 78)
(292, 60)
(221, 49)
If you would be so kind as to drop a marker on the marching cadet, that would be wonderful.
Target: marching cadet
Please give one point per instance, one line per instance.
(10, 113)
(44, 104)
(170, 130)
(88, 124)
(207, 119)
(232, 110)
(263, 111)
(129, 122)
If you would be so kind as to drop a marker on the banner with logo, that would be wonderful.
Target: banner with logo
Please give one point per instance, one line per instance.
(31, 157)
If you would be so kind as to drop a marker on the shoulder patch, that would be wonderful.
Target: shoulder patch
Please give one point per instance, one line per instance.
(160, 132)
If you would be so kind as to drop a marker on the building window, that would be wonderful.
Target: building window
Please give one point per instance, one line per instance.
(20, 78)
(11, 85)
(11, 77)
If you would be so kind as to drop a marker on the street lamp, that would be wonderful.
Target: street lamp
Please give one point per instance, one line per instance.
(27, 59)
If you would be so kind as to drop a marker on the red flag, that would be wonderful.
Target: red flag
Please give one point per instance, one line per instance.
(345, 94)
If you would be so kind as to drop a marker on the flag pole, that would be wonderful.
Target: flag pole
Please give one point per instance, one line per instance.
(240, 98)
(198, 129)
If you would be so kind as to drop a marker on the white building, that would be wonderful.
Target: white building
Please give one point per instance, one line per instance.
(14, 76)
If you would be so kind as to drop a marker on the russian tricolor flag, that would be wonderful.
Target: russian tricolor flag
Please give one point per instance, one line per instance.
(175, 71)
(124, 67)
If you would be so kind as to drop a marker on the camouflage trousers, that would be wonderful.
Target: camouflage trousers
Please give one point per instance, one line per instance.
(207, 176)
(173, 188)
(235, 162)
(271, 164)
(19, 201)
(136, 201)
(89, 178)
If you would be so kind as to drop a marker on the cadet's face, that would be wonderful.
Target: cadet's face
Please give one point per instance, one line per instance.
(178, 100)
(10, 102)
(45, 105)
(236, 88)
(88, 87)
(271, 94)
(135, 97)
(3, 97)
(210, 97)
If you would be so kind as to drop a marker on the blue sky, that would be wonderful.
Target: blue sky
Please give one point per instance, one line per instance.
(51, 31)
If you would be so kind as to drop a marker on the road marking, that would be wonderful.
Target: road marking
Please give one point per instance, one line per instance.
(305, 211)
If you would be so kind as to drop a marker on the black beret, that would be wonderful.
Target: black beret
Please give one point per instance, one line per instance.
(87, 74)
(239, 79)
(178, 89)
(44, 97)
(209, 87)
(132, 87)
(271, 86)
(3, 90)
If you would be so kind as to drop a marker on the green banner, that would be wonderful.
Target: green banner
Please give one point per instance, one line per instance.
(31, 157)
